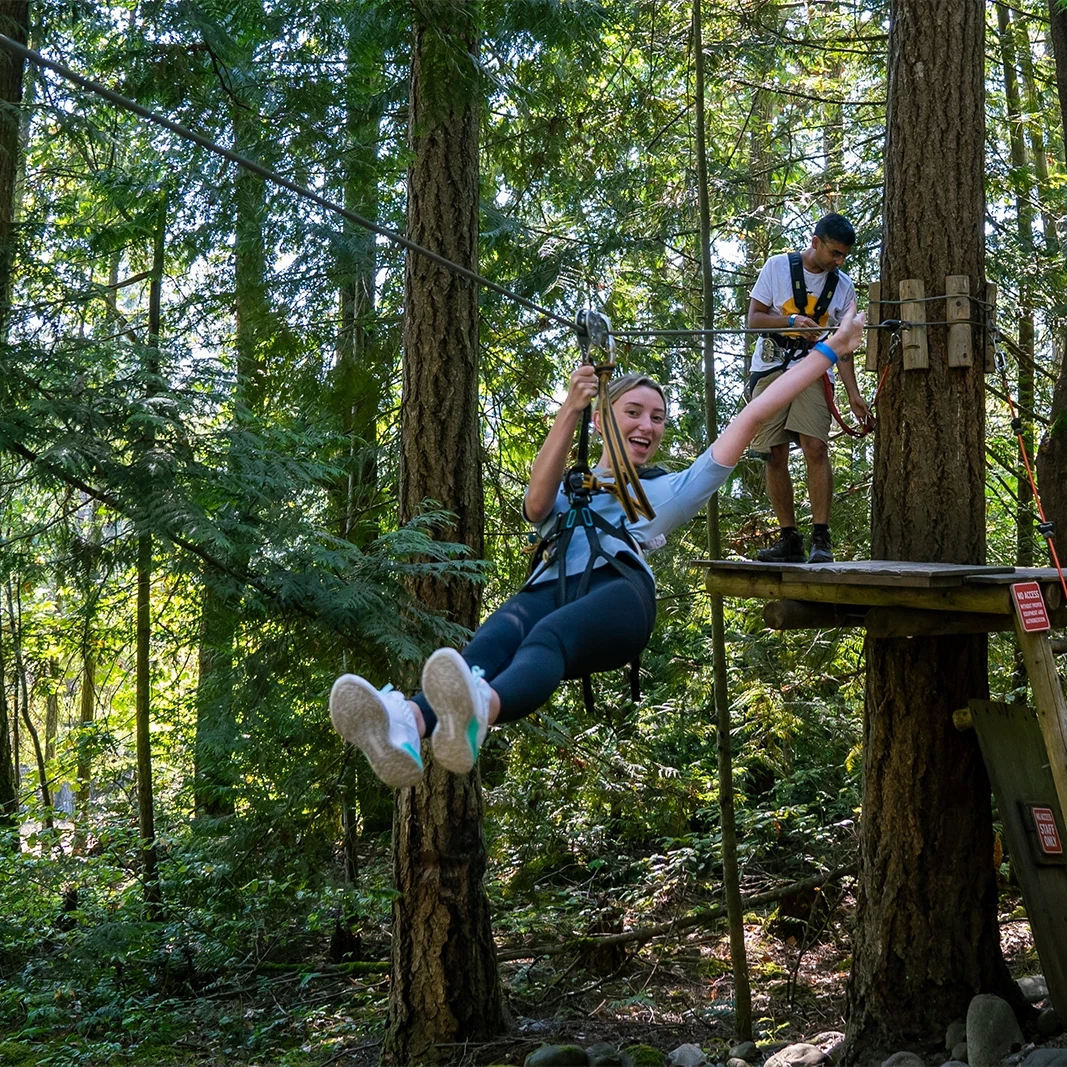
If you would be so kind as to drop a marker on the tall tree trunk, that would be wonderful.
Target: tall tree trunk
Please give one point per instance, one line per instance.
(1024, 218)
(445, 987)
(1052, 454)
(9, 794)
(14, 23)
(758, 219)
(145, 788)
(86, 716)
(145, 792)
(926, 931)
(51, 713)
(356, 388)
(22, 697)
(721, 696)
(833, 139)
(216, 722)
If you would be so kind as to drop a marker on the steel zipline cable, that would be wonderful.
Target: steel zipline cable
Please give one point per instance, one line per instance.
(382, 231)
(271, 175)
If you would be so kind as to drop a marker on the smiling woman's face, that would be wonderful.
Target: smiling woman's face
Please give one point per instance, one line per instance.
(641, 415)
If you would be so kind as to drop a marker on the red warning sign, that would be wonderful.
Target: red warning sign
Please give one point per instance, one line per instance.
(1031, 606)
(1047, 833)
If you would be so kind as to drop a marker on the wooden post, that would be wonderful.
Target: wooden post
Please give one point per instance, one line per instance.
(1049, 702)
(958, 310)
(1018, 763)
(991, 323)
(916, 353)
(874, 316)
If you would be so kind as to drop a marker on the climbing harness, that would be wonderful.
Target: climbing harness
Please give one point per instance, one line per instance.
(580, 484)
(789, 347)
(1045, 528)
(794, 345)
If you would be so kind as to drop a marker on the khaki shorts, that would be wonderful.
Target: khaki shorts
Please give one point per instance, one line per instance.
(807, 414)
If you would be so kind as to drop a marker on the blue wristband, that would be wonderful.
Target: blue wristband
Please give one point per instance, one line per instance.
(826, 350)
(792, 319)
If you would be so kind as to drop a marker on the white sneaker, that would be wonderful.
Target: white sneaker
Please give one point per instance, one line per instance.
(459, 696)
(379, 722)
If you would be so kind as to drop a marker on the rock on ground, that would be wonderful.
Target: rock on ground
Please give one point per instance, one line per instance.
(687, 1056)
(799, 1055)
(992, 1031)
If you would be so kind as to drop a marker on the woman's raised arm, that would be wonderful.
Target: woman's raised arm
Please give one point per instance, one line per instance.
(730, 445)
(548, 468)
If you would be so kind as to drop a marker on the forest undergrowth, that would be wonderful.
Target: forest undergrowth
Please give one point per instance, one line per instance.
(279, 974)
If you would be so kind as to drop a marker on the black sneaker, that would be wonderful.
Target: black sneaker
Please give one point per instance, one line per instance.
(821, 552)
(789, 548)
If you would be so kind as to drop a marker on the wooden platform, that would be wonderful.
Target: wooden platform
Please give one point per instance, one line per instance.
(854, 588)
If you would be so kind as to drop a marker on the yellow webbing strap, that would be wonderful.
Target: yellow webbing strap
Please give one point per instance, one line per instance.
(626, 481)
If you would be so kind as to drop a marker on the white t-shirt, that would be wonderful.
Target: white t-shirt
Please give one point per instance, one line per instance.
(774, 287)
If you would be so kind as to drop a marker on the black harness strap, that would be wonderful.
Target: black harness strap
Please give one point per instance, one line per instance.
(789, 343)
(578, 485)
(792, 346)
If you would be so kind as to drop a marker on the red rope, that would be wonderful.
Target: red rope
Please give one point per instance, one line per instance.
(868, 426)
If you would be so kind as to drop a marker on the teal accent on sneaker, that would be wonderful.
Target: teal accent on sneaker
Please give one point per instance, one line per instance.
(380, 724)
(472, 736)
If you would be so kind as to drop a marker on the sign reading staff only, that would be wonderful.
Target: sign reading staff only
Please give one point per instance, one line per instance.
(1031, 606)
(1047, 834)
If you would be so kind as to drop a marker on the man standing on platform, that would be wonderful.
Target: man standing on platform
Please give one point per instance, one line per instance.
(797, 295)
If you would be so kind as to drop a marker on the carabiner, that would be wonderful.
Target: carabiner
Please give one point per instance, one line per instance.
(594, 328)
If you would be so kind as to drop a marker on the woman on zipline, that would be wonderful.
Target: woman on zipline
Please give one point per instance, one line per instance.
(536, 639)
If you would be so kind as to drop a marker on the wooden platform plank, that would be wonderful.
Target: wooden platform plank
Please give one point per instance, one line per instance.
(886, 583)
(869, 571)
(770, 586)
(884, 572)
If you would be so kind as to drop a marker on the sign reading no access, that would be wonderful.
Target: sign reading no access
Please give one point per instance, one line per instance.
(1030, 605)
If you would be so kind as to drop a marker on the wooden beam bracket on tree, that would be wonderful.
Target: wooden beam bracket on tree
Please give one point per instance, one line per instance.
(958, 312)
(913, 312)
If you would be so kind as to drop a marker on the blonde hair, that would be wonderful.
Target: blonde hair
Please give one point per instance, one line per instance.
(620, 386)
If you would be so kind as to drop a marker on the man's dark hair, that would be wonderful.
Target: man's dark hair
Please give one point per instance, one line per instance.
(834, 227)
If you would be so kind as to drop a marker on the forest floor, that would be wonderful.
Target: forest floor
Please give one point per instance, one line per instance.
(669, 992)
(666, 994)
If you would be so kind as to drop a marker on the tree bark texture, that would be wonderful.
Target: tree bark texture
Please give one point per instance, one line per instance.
(216, 714)
(9, 796)
(721, 694)
(445, 987)
(926, 937)
(1052, 453)
(14, 23)
(356, 386)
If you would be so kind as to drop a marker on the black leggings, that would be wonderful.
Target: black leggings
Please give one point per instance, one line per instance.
(529, 645)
